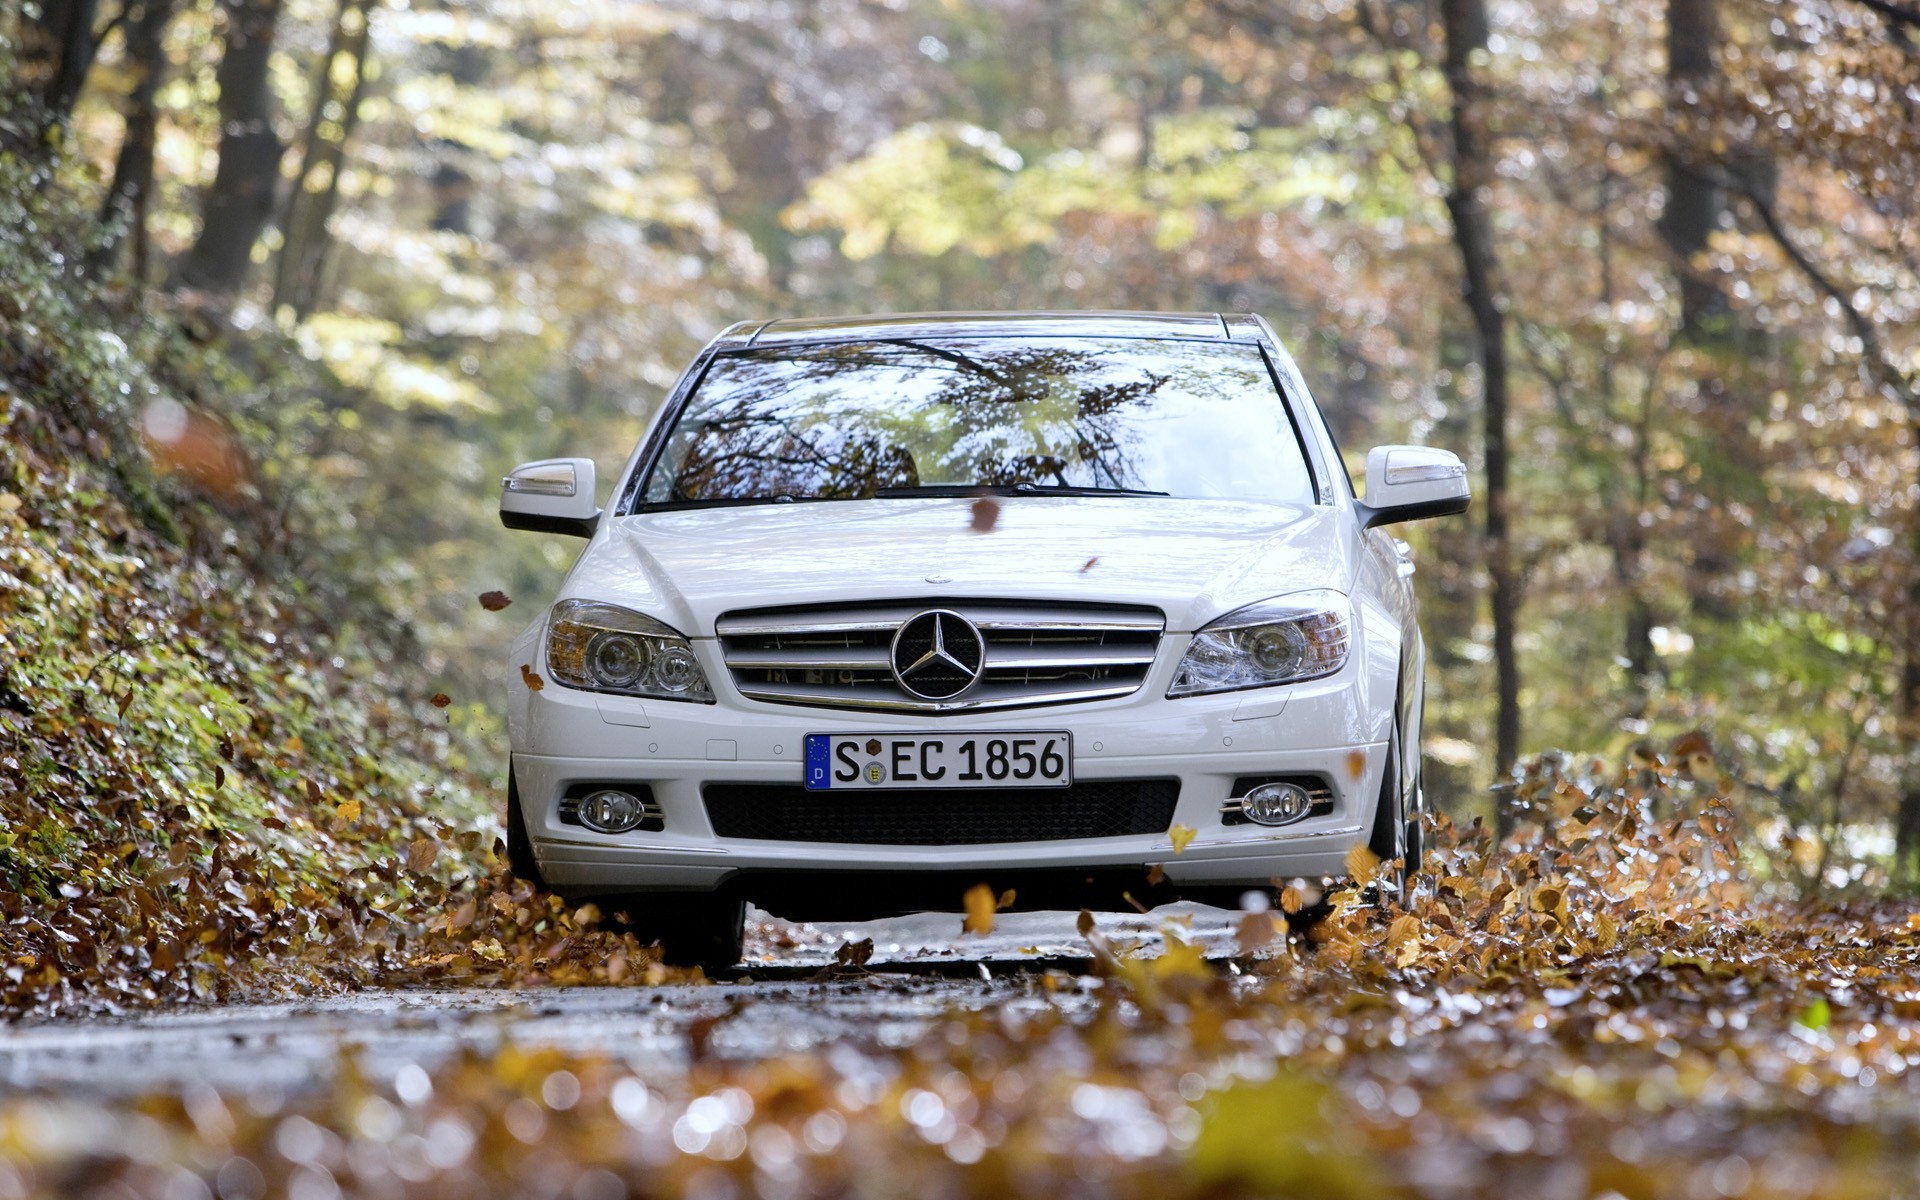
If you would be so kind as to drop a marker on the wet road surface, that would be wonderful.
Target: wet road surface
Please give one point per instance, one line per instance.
(922, 966)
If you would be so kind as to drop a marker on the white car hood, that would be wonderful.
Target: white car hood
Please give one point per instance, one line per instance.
(1192, 559)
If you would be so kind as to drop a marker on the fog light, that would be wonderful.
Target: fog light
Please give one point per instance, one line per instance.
(1276, 804)
(612, 811)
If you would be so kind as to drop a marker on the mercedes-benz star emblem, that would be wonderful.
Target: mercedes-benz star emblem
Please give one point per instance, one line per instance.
(937, 654)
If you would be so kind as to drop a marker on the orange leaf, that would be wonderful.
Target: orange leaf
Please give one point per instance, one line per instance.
(494, 601)
(980, 902)
(986, 514)
(441, 699)
(531, 678)
(1255, 930)
(420, 854)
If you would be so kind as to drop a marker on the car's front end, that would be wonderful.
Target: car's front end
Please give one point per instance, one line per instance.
(1073, 607)
(722, 772)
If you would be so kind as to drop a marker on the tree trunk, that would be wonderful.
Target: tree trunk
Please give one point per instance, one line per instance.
(124, 211)
(1465, 27)
(237, 206)
(1906, 845)
(1693, 202)
(452, 186)
(56, 52)
(336, 111)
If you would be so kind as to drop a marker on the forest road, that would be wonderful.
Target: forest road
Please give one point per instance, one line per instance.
(780, 1000)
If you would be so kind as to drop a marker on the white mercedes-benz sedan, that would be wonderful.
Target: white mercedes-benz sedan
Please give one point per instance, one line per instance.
(1081, 606)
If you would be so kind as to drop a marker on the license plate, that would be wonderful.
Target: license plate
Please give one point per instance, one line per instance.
(864, 761)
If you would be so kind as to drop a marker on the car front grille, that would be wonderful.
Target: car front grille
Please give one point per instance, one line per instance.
(842, 656)
(941, 817)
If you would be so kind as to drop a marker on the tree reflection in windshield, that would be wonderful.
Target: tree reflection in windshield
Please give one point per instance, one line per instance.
(850, 420)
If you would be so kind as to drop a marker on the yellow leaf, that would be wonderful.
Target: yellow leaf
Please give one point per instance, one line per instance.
(347, 813)
(981, 904)
(1182, 958)
(1606, 931)
(1362, 862)
(1182, 836)
(1403, 929)
(1291, 901)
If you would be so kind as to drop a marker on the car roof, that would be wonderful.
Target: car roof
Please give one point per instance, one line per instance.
(791, 330)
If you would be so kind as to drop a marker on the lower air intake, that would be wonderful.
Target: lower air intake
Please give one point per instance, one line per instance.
(941, 817)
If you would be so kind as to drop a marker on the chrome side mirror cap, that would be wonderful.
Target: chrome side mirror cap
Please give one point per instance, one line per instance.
(1411, 483)
(554, 495)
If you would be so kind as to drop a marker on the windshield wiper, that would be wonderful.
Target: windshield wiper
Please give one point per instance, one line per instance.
(728, 502)
(1009, 489)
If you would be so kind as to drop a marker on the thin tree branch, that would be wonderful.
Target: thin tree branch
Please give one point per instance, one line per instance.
(1899, 14)
(1890, 376)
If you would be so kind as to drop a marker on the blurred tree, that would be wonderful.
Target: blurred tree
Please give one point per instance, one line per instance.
(124, 211)
(58, 43)
(339, 84)
(239, 201)
(1464, 37)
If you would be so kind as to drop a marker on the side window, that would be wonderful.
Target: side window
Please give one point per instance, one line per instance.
(1327, 432)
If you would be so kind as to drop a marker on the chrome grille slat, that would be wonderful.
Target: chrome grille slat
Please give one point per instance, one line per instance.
(887, 698)
(1042, 656)
(802, 658)
(1040, 653)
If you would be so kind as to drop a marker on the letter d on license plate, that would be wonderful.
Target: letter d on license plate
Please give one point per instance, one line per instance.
(854, 761)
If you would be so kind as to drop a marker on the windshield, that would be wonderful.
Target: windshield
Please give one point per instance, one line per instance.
(859, 420)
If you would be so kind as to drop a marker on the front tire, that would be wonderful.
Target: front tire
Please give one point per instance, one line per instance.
(705, 931)
(520, 859)
(1397, 832)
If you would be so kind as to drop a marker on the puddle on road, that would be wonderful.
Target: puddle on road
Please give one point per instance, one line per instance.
(919, 972)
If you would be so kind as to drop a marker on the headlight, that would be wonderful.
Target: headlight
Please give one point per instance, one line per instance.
(605, 648)
(1286, 640)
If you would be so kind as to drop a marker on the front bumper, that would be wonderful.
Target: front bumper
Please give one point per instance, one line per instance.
(1329, 728)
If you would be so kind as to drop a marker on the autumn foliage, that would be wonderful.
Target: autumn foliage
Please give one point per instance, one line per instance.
(1600, 1005)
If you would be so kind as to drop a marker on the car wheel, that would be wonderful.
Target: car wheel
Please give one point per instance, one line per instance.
(1416, 835)
(691, 930)
(520, 859)
(1393, 825)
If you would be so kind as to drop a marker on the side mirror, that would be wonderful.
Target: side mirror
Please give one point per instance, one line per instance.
(1409, 483)
(554, 495)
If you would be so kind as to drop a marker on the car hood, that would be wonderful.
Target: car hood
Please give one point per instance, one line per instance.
(1192, 559)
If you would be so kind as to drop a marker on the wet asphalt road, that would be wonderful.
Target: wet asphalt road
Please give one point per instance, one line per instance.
(922, 966)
